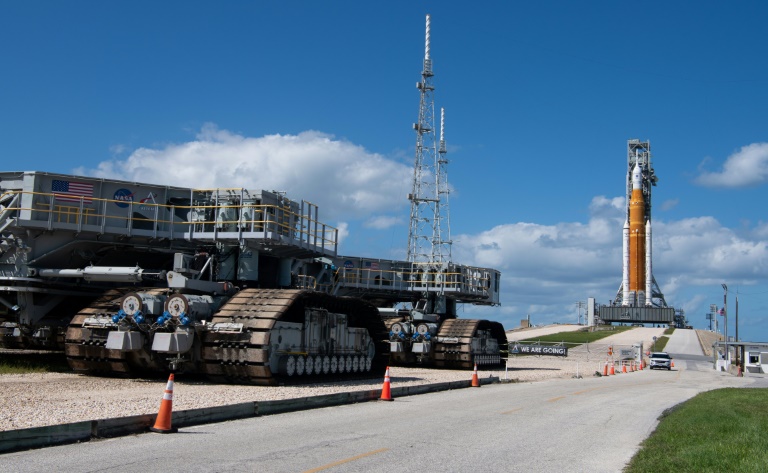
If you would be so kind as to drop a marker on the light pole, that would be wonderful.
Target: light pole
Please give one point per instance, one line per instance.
(737, 314)
(725, 318)
(579, 305)
(738, 350)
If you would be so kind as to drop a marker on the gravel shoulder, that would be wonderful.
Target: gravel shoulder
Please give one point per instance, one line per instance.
(32, 400)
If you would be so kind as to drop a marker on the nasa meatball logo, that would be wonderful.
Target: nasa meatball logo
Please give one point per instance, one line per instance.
(123, 198)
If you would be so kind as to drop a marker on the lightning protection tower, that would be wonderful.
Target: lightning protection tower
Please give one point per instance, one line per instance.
(429, 239)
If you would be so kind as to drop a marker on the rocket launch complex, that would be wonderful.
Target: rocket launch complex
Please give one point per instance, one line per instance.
(639, 299)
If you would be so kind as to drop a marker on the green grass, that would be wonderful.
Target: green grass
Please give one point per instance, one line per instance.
(716, 431)
(660, 344)
(33, 362)
(669, 331)
(576, 338)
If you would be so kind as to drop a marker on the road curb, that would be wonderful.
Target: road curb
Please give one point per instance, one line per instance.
(38, 437)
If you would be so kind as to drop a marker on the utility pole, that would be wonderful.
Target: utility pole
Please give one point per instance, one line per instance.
(725, 317)
(737, 315)
(738, 348)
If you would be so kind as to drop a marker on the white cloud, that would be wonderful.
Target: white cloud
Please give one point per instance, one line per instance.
(603, 206)
(343, 228)
(382, 222)
(761, 230)
(700, 247)
(746, 167)
(669, 204)
(565, 248)
(344, 179)
(118, 149)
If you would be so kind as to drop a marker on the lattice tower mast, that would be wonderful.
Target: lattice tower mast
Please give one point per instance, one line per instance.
(429, 241)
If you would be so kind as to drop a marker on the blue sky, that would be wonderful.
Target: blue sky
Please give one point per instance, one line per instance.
(318, 98)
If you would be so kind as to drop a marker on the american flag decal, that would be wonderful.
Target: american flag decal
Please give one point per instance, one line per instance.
(70, 191)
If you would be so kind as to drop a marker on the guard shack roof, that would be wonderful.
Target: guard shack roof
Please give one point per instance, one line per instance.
(758, 346)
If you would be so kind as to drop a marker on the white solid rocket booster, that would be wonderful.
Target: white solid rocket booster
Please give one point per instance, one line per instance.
(625, 265)
(648, 268)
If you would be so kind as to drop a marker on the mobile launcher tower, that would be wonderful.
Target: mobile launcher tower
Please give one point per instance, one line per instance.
(639, 299)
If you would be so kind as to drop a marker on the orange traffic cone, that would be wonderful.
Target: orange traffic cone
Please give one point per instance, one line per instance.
(613, 369)
(163, 421)
(671, 364)
(605, 369)
(475, 379)
(623, 368)
(386, 392)
(641, 365)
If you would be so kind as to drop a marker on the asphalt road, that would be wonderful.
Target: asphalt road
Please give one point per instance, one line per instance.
(593, 424)
(684, 343)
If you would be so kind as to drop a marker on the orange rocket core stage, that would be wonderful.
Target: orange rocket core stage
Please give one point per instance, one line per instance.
(637, 240)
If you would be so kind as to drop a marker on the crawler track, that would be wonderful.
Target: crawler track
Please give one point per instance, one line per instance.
(224, 356)
(459, 355)
(455, 351)
(84, 347)
(244, 357)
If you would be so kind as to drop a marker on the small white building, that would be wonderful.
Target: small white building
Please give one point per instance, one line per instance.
(753, 356)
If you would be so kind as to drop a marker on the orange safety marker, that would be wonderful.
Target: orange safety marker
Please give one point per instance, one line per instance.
(163, 421)
(623, 368)
(613, 369)
(475, 379)
(386, 391)
(641, 365)
(605, 369)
